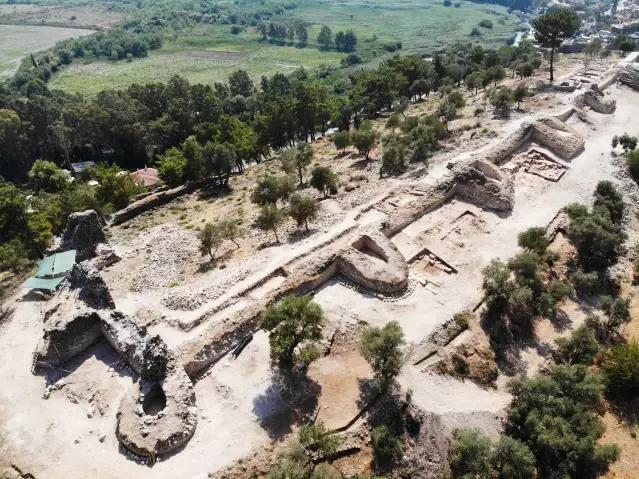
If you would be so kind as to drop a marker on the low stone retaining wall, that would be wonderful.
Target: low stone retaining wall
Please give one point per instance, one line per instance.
(158, 199)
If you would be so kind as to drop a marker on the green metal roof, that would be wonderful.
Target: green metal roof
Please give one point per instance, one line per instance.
(56, 264)
(42, 283)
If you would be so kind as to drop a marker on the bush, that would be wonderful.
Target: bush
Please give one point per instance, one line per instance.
(471, 454)
(512, 459)
(341, 140)
(351, 59)
(620, 366)
(456, 98)
(475, 32)
(585, 284)
(387, 448)
(486, 24)
(236, 29)
(556, 416)
(447, 3)
(14, 256)
(533, 239)
(393, 158)
(632, 161)
(324, 180)
(46, 176)
(579, 348)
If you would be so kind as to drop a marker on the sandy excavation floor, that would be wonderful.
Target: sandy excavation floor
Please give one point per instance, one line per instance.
(240, 408)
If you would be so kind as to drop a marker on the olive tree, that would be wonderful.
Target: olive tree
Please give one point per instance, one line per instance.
(303, 208)
(292, 322)
(270, 218)
(382, 349)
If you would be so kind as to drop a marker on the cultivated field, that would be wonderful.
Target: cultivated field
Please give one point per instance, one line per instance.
(17, 41)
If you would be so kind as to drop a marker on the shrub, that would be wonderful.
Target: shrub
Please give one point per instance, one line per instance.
(324, 180)
(584, 284)
(632, 161)
(486, 24)
(351, 59)
(620, 365)
(13, 256)
(341, 140)
(512, 459)
(475, 32)
(387, 448)
(45, 175)
(462, 318)
(447, 3)
(393, 158)
(579, 348)
(533, 239)
(556, 416)
(236, 29)
(471, 454)
(456, 98)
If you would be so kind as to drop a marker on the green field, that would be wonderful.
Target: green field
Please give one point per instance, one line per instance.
(209, 53)
(16, 41)
(422, 25)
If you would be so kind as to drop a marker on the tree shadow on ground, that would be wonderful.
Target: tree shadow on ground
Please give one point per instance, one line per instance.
(560, 320)
(218, 262)
(626, 409)
(418, 173)
(288, 401)
(300, 234)
(503, 342)
(362, 164)
(213, 191)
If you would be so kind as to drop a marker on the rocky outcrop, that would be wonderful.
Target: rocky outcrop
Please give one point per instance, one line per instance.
(83, 233)
(89, 286)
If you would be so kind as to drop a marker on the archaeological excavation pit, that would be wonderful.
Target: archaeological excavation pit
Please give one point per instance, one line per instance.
(536, 162)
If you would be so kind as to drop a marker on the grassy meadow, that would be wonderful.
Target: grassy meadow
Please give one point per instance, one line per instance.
(17, 41)
(209, 53)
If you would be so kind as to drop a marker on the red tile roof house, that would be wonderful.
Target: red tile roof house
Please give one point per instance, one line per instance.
(147, 177)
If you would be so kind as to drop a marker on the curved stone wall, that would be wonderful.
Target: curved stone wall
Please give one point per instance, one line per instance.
(152, 435)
